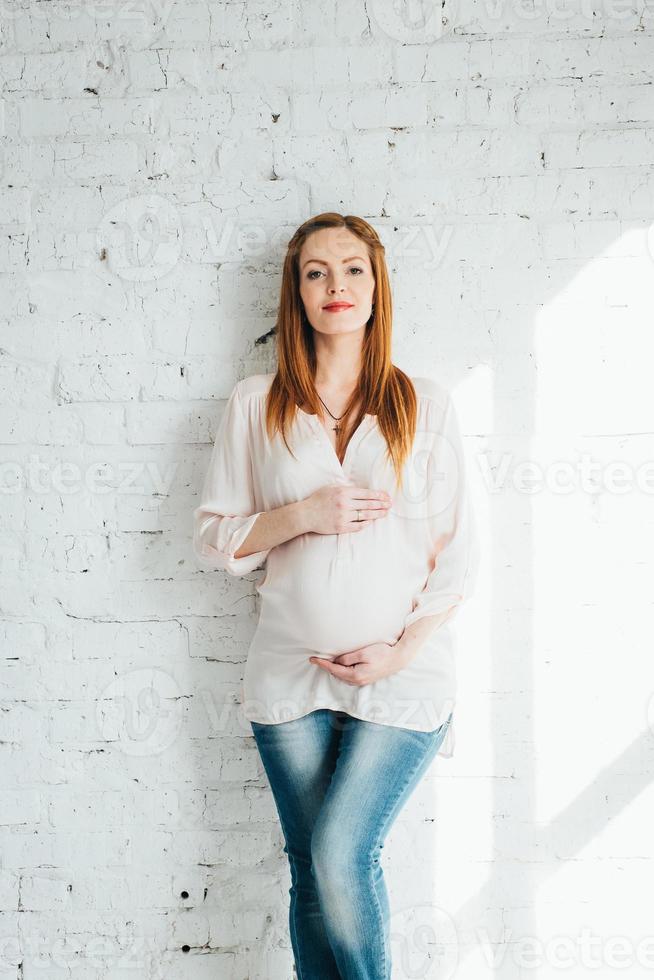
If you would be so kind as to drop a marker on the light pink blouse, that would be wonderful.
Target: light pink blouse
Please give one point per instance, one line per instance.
(326, 594)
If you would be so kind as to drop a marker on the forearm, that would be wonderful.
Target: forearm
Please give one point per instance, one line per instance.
(273, 527)
(414, 636)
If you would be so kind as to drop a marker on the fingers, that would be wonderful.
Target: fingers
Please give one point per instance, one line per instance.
(348, 659)
(362, 506)
(370, 515)
(364, 515)
(337, 670)
(376, 503)
(373, 498)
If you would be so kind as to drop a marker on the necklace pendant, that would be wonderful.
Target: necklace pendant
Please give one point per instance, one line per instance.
(337, 428)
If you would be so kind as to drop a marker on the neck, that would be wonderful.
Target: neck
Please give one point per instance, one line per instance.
(338, 360)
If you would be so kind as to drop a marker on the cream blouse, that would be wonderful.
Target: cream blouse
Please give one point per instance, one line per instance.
(326, 594)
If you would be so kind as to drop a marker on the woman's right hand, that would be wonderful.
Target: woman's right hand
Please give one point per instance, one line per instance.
(333, 508)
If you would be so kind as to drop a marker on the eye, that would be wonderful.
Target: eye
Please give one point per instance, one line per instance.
(316, 272)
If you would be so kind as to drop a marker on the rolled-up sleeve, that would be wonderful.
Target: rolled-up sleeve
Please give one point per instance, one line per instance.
(227, 512)
(451, 525)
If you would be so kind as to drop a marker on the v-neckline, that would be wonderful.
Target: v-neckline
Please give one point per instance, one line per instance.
(354, 438)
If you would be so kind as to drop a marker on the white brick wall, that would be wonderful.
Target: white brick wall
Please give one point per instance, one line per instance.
(155, 160)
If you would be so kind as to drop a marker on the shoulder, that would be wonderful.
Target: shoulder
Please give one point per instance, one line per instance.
(431, 391)
(250, 395)
(255, 387)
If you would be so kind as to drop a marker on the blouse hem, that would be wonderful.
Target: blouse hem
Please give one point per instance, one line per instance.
(446, 749)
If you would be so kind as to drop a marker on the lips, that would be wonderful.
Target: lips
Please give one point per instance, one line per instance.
(338, 306)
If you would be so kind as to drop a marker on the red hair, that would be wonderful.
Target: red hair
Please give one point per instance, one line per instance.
(383, 389)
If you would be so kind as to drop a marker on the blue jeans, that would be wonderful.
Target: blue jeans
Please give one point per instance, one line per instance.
(339, 783)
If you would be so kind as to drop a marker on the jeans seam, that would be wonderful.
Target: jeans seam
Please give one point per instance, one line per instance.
(383, 823)
(382, 827)
(293, 925)
(380, 920)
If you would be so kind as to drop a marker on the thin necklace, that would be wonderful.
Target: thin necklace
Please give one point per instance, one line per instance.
(336, 428)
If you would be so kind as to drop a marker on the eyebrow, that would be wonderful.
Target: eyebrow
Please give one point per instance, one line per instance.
(320, 261)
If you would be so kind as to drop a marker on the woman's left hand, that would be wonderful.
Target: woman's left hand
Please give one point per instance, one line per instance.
(365, 665)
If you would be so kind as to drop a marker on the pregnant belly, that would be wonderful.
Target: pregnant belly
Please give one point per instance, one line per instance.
(314, 599)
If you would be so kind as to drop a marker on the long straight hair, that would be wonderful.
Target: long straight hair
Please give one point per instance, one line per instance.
(383, 389)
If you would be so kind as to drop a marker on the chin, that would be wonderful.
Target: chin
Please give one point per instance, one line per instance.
(342, 326)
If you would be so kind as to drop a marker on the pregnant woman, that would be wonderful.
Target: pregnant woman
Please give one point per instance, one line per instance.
(344, 479)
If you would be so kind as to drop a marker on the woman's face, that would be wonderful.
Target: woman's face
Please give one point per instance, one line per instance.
(334, 268)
